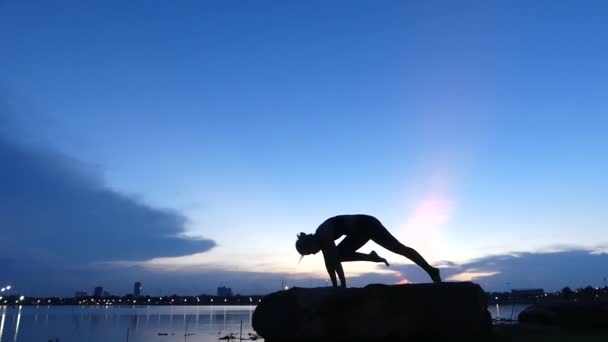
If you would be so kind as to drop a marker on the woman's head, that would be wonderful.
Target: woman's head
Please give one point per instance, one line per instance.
(307, 244)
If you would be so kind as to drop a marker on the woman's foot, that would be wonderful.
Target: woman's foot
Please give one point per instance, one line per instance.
(377, 258)
(434, 273)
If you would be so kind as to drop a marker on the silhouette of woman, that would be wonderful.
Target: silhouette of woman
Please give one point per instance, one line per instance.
(359, 229)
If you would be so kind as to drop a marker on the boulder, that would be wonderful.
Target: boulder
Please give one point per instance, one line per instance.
(373, 313)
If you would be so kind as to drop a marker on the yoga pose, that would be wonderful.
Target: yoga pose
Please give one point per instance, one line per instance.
(359, 229)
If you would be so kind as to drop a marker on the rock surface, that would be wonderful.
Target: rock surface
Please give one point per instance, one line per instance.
(373, 313)
(568, 315)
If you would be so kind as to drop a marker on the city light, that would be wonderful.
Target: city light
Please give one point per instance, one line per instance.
(21, 298)
(3, 289)
(8, 287)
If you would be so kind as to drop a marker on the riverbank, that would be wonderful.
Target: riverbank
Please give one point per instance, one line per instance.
(535, 333)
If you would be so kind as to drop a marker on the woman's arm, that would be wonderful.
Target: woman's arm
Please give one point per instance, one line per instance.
(340, 272)
(330, 254)
(330, 268)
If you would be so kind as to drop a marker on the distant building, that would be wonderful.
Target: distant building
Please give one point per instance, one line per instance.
(527, 293)
(224, 291)
(137, 289)
(106, 294)
(98, 291)
(80, 294)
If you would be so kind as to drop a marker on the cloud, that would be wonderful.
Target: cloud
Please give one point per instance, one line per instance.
(549, 268)
(470, 275)
(119, 281)
(57, 211)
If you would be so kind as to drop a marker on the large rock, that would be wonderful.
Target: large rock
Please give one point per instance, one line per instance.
(373, 313)
(568, 315)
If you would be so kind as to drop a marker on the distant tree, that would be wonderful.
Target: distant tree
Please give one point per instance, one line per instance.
(567, 292)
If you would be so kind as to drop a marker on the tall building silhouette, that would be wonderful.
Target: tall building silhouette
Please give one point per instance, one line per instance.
(80, 294)
(137, 289)
(223, 291)
(98, 291)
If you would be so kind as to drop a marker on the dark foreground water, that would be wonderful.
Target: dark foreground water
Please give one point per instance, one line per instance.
(140, 323)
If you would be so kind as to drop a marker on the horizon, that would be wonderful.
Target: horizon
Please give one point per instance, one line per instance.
(185, 146)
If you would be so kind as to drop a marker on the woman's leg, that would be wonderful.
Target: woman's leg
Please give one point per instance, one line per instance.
(347, 248)
(357, 256)
(383, 237)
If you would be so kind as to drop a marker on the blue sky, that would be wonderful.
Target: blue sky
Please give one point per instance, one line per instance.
(471, 129)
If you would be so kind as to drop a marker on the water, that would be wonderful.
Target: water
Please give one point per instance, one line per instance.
(506, 311)
(141, 323)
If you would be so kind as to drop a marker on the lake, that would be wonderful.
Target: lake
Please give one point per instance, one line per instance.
(140, 323)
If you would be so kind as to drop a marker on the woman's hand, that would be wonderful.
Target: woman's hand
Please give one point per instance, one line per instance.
(333, 265)
(330, 254)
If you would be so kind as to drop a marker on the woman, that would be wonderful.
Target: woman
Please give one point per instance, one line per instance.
(359, 229)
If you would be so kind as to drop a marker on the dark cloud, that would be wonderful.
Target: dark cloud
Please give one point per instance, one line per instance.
(64, 281)
(574, 267)
(551, 271)
(56, 211)
(554, 270)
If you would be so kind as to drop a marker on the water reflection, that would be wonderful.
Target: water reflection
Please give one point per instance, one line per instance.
(17, 325)
(2, 322)
(100, 324)
(506, 311)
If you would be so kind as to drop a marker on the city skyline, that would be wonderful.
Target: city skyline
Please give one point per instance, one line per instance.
(186, 146)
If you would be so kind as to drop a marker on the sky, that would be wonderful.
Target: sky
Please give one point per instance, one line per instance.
(185, 144)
